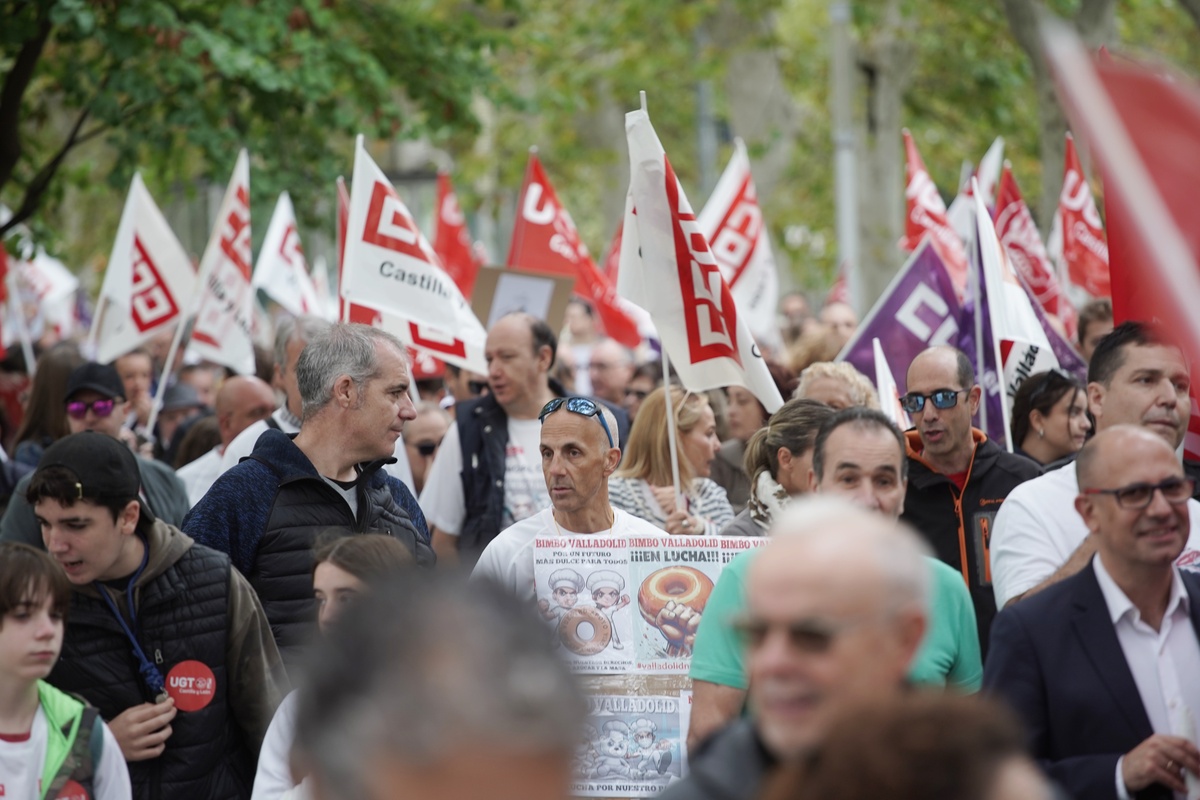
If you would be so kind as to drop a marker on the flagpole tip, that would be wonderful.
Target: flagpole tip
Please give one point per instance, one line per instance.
(642, 99)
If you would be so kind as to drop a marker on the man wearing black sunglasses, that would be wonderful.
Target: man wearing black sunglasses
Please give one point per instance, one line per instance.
(95, 401)
(958, 478)
(1102, 666)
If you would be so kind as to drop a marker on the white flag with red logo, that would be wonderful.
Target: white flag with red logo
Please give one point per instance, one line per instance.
(926, 215)
(885, 385)
(679, 282)
(452, 240)
(961, 213)
(1020, 237)
(545, 240)
(223, 331)
(390, 268)
(1078, 242)
(148, 281)
(733, 225)
(282, 271)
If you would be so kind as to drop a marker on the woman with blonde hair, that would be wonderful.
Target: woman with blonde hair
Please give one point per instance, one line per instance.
(838, 385)
(643, 486)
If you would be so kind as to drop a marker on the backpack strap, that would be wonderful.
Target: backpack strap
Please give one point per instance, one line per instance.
(80, 763)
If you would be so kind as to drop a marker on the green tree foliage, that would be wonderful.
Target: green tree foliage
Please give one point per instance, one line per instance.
(176, 87)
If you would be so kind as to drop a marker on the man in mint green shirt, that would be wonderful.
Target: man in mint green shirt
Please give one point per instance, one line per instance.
(860, 455)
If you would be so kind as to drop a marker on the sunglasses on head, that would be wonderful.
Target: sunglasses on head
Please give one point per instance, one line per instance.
(942, 399)
(77, 409)
(1053, 379)
(427, 448)
(577, 405)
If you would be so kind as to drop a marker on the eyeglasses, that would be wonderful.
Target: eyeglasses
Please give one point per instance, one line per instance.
(810, 636)
(477, 387)
(101, 408)
(942, 399)
(578, 405)
(1176, 491)
(427, 448)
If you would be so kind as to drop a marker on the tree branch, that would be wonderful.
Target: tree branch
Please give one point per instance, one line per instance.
(37, 187)
(1192, 7)
(10, 98)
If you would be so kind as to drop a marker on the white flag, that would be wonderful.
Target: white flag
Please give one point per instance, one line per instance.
(281, 270)
(679, 282)
(889, 395)
(223, 331)
(733, 225)
(961, 213)
(390, 267)
(148, 281)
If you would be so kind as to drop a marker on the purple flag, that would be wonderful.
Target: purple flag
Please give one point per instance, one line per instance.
(917, 310)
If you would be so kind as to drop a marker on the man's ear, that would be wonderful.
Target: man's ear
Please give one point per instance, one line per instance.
(612, 459)
(1086, 507)
(812, 479)
(545, 358)
(127, 520)
(973, 398)
(1095, 398)
(345, 392)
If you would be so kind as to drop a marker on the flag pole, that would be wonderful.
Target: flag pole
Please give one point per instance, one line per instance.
(156, 406)
(977, 294)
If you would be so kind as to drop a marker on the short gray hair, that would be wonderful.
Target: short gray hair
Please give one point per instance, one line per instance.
(421, 665)
(342, 349)
(900, 554)
(305, 328)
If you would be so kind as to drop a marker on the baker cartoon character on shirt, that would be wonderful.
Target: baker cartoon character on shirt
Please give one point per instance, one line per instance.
(565, 587)
(606, 587)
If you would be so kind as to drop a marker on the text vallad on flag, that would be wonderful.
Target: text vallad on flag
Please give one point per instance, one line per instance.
(282, 271)
(545, 240)
(452, 239)
(390, 267)
(222, 333)
(732, 223)
(149, 281)
(926, 215)
(678, 281)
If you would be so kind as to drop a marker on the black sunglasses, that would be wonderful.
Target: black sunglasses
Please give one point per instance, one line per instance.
(942, 399)
(578, 405)
(427, 448)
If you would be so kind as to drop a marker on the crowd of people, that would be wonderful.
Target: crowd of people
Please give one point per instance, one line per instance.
(319, 581)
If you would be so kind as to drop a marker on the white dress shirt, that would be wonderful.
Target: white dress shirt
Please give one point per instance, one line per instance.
(1164, 662)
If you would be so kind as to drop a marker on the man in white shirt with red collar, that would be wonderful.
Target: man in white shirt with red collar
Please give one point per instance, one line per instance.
(1103, 665)
(579, 452)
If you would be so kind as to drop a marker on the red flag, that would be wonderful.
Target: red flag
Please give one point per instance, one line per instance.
(1084, 248)
(926, 214)
(1141, 126)
(1019, 235)
(452, 240)
(545, 240)
(612, 261)
(351, 312)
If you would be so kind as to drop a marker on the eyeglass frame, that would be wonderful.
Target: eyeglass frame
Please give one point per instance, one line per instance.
(1116, 494)
(81, 408)
(576, 405)
(929, 397)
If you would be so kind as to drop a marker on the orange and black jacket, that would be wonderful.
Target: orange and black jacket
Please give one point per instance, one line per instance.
(959, 526)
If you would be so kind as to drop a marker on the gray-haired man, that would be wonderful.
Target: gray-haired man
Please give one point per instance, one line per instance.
(267, 511)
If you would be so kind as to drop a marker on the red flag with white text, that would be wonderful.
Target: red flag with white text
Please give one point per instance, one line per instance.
(452, 239)
(926, 214)
(1084, 246)
(545, 240)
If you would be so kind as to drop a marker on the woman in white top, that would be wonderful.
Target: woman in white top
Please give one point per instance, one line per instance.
(643, 485)
(344, 568)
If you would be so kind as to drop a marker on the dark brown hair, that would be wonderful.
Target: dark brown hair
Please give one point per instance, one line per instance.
(370, 557)
(921, 745)
(28, 575)
(45, 415)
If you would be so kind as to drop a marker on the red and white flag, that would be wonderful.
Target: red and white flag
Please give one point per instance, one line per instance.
(885, 385)
(1019, 235)
(452, 239)
(1141, 126)
(1078, 241)
(612, 259)
(391, 268)
(223, 331)
(679, 282)
(282, 271)
(545, 240)
(840, 291)
(732, 223)
(961, 213)
(926, 214)
(149, 280)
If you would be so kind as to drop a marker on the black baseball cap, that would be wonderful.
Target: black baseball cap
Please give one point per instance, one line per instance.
(100, 378)
(103, 467)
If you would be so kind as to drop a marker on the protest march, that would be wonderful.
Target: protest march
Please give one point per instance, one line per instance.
(651, 523)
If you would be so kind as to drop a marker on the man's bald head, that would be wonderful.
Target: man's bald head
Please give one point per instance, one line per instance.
(241, 401)
(1110, 446)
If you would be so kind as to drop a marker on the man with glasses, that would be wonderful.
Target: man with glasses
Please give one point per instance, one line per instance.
(579, 451)
(1102, 666)
(835, 611)
(957, 478)
(1135, 378)
(95, 401)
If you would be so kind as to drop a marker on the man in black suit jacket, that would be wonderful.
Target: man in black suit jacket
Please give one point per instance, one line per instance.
(1104, 667)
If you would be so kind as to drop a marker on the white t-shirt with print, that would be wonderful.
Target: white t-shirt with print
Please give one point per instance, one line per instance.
(525, 491)
(508, 559)
(21, 765)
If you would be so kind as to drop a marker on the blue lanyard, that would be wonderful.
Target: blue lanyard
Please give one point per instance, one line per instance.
(149, 672)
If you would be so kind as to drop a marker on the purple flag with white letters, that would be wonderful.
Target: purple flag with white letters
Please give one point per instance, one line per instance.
(917, 310)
